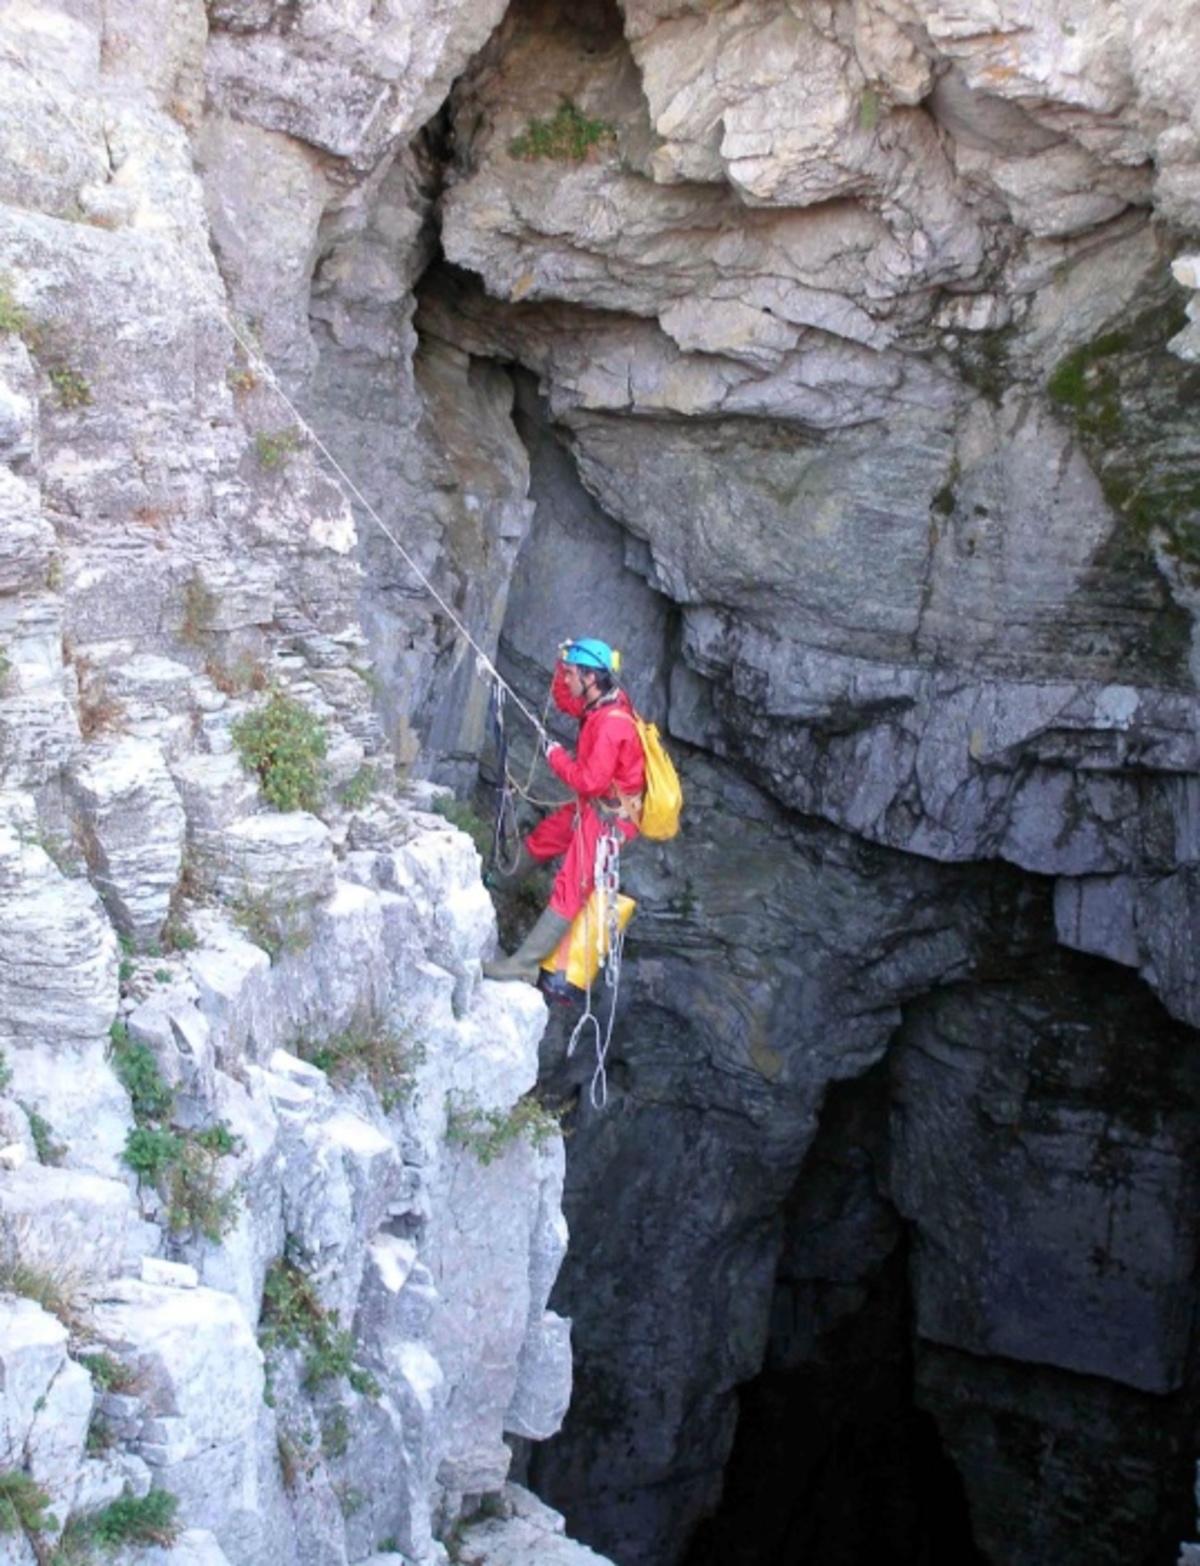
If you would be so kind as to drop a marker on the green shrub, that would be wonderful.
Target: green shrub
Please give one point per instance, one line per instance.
(108, 1373)
(13, 319)
(489, 1132)
(285, 744)
(198, 1200)
(293, 1316)
(335, 1433)
(100, 1437)
(274, 447)
(71, 389)
(567, 136)
(279, 927)
(387, 1055)
(24, 1505)
(48, 1151)
(137, 1519)
(467, 819)
(150, 1151)
(138, 1072)
(5, 1071)
(361, 786)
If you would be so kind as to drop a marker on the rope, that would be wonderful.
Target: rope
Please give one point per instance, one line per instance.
(484, 665)
(506, 832)
(608, 886)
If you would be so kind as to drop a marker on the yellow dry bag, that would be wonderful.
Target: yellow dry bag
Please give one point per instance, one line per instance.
(576, 959)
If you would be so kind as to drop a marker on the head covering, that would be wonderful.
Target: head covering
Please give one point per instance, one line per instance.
(588, 653)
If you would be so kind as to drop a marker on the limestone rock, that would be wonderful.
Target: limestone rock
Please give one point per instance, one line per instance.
(344, 80)
(80, 1229)
(134, 825)
(527, 1530)
(58, 964)
(216, 790)
(193, 1547)
(47, 1399)
(283, 859)
(201, 1374)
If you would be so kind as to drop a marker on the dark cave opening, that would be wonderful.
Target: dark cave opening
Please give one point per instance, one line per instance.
(834, 1465)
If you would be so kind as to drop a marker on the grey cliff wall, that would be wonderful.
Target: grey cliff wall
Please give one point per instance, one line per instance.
(842, 371)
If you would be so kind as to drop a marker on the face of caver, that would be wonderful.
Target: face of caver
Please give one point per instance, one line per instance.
(577, 681)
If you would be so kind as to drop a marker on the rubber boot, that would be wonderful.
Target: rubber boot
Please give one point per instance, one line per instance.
(538, 944)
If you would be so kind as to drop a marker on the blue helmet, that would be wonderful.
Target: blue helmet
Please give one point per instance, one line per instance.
(588, 653)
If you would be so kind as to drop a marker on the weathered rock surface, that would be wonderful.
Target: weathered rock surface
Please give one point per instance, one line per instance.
(171, 947)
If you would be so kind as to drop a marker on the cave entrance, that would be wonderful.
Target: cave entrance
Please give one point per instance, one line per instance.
(833, 1463)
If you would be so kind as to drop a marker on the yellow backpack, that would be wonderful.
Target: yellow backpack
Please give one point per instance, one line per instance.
(662, 799)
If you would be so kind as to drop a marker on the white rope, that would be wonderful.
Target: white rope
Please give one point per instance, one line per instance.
(484, 665)
(608, 887)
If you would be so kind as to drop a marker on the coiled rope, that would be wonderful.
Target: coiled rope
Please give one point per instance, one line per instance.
(608, 888)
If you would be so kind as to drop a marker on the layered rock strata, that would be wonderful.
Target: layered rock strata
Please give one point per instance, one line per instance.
(834, 361)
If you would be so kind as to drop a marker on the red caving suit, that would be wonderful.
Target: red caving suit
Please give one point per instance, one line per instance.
(608, 757)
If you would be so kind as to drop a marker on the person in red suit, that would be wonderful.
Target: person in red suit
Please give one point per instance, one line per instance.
(607, 775)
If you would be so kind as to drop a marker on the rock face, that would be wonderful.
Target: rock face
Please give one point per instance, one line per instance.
(836, 361)
(262, 1171)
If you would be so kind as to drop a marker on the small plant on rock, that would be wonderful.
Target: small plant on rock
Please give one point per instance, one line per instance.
(108, 1373)
(138, 1072)
(71, 389)
(100, 712)
(466, 818)
(178, 935)
(183, 1166)
(489, 1132)
(5, 1071)
(198, 1199)
(566, 136)
(279, 927)
(48, 1151)
(13, 319)
(238, 676)
(274, 447)
(199, 611)
(285, 744)
(361, 786)
(24, 1505)
(293, 1316)
(48, 1281)
(100, 1437)
(137, 1519)
(387, 1055)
